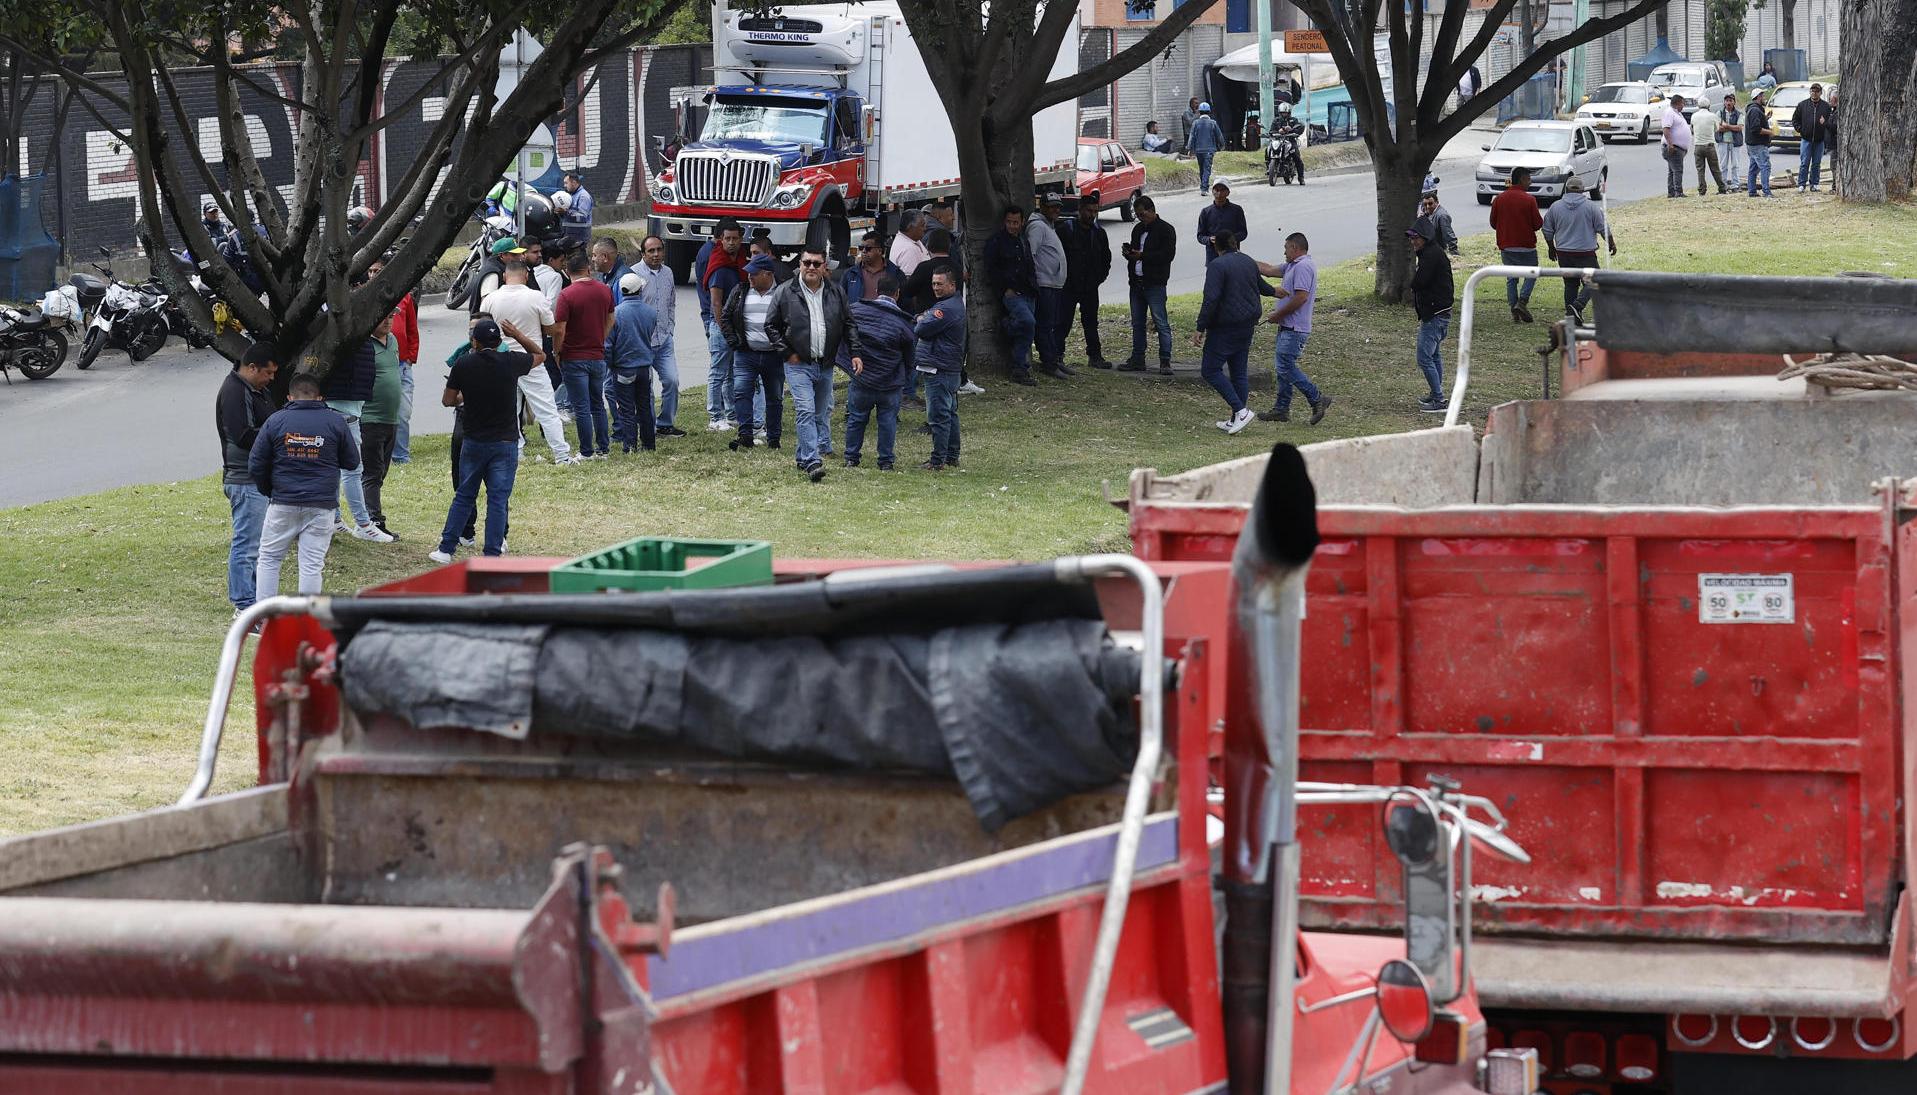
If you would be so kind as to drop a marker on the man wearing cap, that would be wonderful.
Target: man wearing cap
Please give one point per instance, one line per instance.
(1704, 147)
(1677, 147)
(630, 355)
(1572, 230)
(1207, 140)
(484, 384)
(518, 303)
(1049, 318)
(492, 270)
(1812, 121)
(756, 363)
(1730, 138)
(660, 290)
(1757, 139)
(1222, 215)
(241, 408)
(1431, 292)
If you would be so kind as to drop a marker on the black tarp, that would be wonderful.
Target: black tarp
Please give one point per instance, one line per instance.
(1743, 314)
(1022, 710)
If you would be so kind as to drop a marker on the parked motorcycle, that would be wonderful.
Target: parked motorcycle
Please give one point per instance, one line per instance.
(497, 223)
(30, 343)
(130, 317)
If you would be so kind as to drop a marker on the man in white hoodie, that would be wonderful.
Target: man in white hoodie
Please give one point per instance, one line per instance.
(1048, 277)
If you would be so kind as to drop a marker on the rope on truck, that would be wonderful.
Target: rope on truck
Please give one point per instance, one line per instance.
(1868, 372)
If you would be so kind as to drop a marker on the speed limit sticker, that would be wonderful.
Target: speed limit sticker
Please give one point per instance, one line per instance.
(1746, 599)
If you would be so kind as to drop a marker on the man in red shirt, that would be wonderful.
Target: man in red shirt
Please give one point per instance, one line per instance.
(1516, 220)
(583, 317)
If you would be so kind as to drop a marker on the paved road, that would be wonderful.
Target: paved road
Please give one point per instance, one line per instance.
(119, 423)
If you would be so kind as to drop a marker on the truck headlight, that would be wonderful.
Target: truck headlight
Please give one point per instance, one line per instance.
(791, 196)
(662, 192)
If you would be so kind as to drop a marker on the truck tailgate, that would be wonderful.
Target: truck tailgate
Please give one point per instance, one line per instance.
(1681, 779)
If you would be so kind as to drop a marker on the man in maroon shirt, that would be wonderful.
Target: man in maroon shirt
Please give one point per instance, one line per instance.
(583, 317)
(1516, 220)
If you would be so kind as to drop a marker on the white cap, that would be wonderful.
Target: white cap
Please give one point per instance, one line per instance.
(632, 283)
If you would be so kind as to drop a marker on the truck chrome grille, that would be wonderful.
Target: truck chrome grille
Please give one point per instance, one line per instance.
(726, 178)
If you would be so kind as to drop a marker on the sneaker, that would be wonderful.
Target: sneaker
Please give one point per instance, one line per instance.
(441, 557)
(719, 427)
(372, 533)
(886, 467)
(1275, 415)
(768, 442)
(970, 388)
(671, 431)
(851, 461)
(1430, 405)
(739, 444)
(931, 465)
(467, 542)
(1516, 316)
(1524, 312)
(1318, 410)
(816, 472)
(340, 526)
(758, 441)
(567, 461)
(387, 531)
(1239, 421)
(599, 456)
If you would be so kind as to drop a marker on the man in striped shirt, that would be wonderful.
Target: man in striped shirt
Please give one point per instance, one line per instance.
(756, 363)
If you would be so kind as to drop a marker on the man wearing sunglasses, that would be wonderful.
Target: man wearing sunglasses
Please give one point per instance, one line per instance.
(809, 319)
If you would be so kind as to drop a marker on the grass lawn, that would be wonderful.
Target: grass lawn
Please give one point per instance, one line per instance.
(1165, 171)
(112, 605)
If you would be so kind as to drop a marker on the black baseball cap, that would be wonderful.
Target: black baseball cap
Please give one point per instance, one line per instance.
(485, 332)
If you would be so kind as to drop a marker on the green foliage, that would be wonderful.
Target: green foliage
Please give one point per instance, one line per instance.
(689, 25)
(1724, 27)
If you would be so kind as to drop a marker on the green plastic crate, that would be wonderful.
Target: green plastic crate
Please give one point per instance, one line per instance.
(652, 563)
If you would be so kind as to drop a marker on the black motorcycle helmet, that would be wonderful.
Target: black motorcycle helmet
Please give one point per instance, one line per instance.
(357, 219)
(537, 215)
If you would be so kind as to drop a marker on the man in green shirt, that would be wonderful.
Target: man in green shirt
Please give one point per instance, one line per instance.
(379, 422)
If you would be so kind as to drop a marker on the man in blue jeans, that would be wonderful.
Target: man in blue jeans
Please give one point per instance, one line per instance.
(1431, 293)
(1010, 262)
(722, 272)
(484, 384)
(1207, 140)
(808, 321)
(888, 339)
(1148, 263)
(239, 411)
(940, 360)
(1812, 121)
(1757, 138)
(1296, 298)
(583, 317)
(758, 368)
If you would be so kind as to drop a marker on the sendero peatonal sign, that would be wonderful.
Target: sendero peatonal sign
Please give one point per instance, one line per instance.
(1746, 599)
(1305, 41)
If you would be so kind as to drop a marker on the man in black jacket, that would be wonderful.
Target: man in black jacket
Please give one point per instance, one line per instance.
(1088, 262)
(1009, 263)
(1226, 321)
(1812, 121)
(296, 460)
(1148, 261)
(242, 407)
(1431, 292)
(809, 318)
(1757, 138)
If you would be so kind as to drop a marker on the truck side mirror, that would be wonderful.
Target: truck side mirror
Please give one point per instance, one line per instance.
(869, 121)
(1404, 1001)
(1419, 840)
(805, 154)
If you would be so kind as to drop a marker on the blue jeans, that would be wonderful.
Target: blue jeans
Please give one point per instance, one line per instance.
(719, 376)
(1050, 318)
(1204, 170)
(1020, 325)
(494, 465)
(1514, 293)
(1431, 334)
(1228, 350)
(1150, 298)
(758, 375)
(352, 480)
(1674, 158)
(1760, 165)
(1291, 346)
(941, 410)
(586, 383)
(666, 364)
(860, 402)
(632, 394)
(811, 385)
(403, 436)
(1810, 163)
(249, 511)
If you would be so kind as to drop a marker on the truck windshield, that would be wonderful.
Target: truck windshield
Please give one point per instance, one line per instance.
(781, 121)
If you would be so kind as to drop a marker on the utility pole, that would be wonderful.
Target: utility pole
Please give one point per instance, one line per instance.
(1266, 114)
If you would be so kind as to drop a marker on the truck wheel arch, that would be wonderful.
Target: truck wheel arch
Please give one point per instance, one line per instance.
(831, 227)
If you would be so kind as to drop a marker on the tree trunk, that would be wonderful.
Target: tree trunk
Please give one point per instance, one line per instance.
(1876, 147)
(1400, 179)
(1006, 180)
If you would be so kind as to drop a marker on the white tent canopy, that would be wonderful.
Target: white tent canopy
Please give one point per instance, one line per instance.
(1242, 65)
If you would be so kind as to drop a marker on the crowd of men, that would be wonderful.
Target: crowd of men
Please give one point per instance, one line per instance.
(1719, 140)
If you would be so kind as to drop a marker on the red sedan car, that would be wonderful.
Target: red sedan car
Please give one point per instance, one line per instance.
(1108, 177)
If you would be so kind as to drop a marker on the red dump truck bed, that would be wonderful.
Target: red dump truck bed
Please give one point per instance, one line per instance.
(1667, 630)
(462, 912)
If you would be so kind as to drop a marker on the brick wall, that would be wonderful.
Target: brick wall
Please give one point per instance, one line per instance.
(91, 200)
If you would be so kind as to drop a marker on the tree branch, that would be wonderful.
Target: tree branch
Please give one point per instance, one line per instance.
(77, 79)
(464, 59)
(1139, 53)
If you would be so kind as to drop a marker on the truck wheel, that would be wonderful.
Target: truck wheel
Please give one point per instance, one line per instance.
(1125, 211)
(831, 233)
(679, 256)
